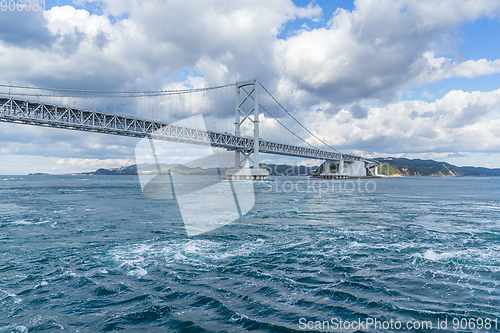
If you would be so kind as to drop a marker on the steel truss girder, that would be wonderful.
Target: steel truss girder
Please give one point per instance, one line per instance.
(41, 114)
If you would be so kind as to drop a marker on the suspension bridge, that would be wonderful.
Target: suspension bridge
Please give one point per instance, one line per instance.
(18, 105)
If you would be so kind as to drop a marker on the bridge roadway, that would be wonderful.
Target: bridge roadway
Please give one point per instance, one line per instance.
(48, 115)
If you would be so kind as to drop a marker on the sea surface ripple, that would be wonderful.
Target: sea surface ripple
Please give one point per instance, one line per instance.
(92, 254)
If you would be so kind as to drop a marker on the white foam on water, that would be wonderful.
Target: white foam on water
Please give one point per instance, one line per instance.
(67, 210)
(356, 244)
(14, 328)
(139, 272)
(69, 273)
(11, 209)
(191, 251)
(204, 251)
(42, 284)
(25, 222)
(132, 259)
(6, 295)
(486, 207)
(377, 246)
(44, 319)
(431, 255)
(102, 271)
(477, 256)
(22, 222)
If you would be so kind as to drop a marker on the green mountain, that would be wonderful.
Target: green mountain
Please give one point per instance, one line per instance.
(174, 169)
(429, 168)
(178, 169)
(389, 167)
(130, 170)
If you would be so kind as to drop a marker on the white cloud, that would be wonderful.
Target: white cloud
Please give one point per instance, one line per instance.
(435, 69)
(378, 49)
(480, 67)
(24, 164)
(358, 58)
(372, 52)
(458, 122)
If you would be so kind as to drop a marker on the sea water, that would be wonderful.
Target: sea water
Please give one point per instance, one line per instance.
(93, 254)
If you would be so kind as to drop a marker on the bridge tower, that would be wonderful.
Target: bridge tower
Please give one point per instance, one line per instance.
(245, 97)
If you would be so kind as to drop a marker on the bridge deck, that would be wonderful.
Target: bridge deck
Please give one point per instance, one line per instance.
(42, 114)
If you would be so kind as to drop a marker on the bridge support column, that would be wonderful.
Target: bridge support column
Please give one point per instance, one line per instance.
(372, 169)
(327, 167)
(256, 138)
(244, 99)
(237, 128)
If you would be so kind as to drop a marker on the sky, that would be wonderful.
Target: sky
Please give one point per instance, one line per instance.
(402, 78)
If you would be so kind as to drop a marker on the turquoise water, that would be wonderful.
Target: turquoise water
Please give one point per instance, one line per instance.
(92, 254)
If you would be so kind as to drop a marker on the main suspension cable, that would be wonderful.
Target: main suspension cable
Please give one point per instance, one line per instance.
(298, 122)
(133, 93)
(279, 122)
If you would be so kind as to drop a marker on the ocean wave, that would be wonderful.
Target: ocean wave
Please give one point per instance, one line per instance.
(45, 323)
(477, 256)
(5, 295)
(133, 268)
(12, 209)
(26, 222)
(14, 328)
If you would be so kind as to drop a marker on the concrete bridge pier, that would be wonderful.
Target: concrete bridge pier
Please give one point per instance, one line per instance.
(372, 169)
(355, 169)
(347, 169)
(329, 175)
(326, 169)
(341, 169)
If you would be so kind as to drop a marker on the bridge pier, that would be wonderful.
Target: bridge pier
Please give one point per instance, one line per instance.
(349, 169)
(341, 166)
(326, 174)
(372, 169)
(326, 169)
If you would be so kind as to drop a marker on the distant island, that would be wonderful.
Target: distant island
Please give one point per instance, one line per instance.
(178, 169)
(429, 168)
(390, 166)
